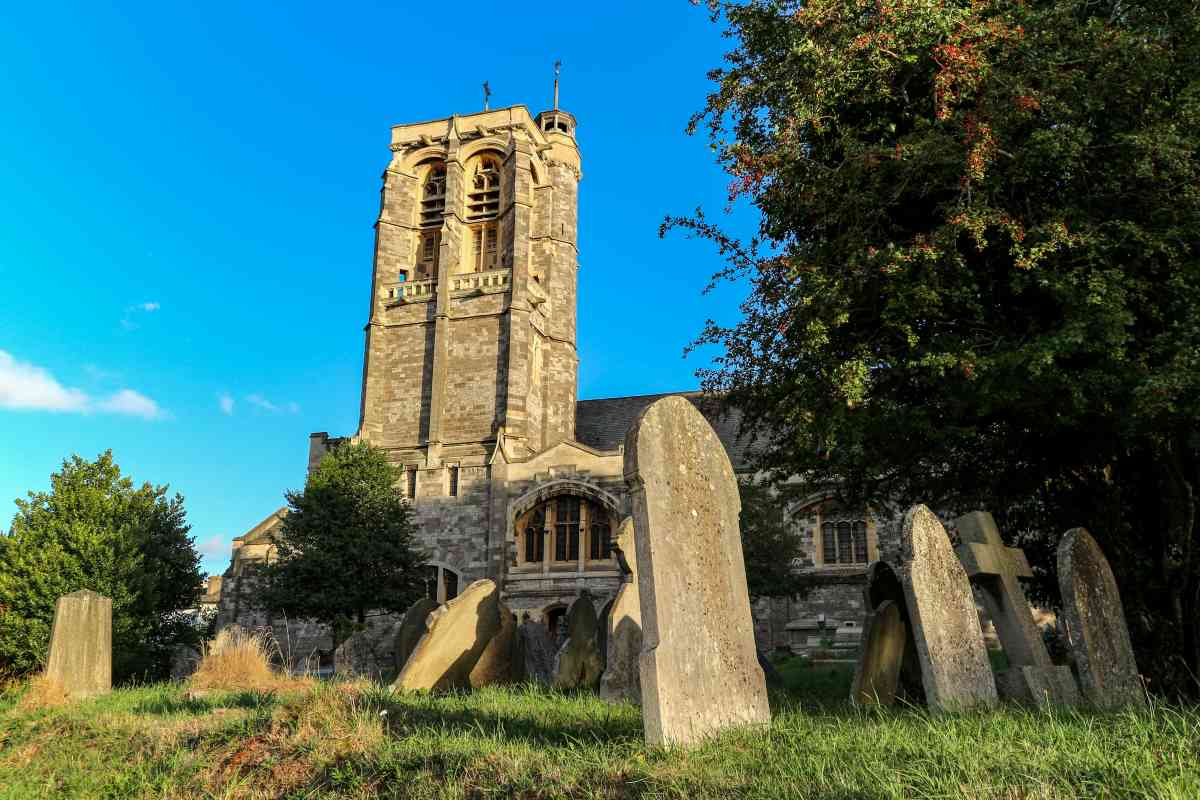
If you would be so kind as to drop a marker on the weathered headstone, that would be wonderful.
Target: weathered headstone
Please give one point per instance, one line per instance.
(533, 656)
(578, 664)
(621, 680)
(371, 652)
(1031, 676)
(81, 644)
(883, 585)
(412, 628)
(877, 675)
(699, 665)
(458, 633)
(1100, 641)
(941, 609)
(495, 664)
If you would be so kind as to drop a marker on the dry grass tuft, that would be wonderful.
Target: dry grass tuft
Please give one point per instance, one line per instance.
(239, 661)
(43, 692)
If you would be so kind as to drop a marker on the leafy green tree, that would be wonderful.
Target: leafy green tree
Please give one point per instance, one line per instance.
(769, 545)
(977, 274)
(347, 545)
(94, 530)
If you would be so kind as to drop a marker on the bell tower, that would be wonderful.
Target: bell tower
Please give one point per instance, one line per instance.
(471, 327)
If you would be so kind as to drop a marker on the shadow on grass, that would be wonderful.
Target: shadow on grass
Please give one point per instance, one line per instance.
(182, 704)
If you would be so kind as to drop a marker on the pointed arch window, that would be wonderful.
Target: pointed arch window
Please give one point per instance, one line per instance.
(433, 207)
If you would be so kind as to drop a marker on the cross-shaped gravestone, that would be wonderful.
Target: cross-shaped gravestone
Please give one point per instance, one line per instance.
(995, 569)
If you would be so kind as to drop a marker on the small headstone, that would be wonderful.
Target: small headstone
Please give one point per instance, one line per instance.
(941, 609)
(533, 656)
(994, 568)
(412, 628)
(578, 664)
(81, 644)
(458, 633)
(1100, 641)
(699, 664)
(621, 680)
(883, 586)
(369, 653)
(877, 675)
(495, 664)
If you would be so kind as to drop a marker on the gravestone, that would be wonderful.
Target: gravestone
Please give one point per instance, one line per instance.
(458, 633)
(81, 644)
(699, 664)
(495, 664)
(1031, 676)
(621, 681)
(955, 670)
(371, 652)
(1096, 626)
(578, 664)
(883, 585)
(877, 674)
(533, 656)
(412, 628)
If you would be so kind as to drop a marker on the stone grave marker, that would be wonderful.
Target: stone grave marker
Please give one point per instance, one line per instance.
(884, 585)
(578, 664)
(412, 628)
(495, 664)
(81, 644)
(941, 609)
(458, 633)
(621, 680)
(995, 568)
(370, 652)
(533, 655)
(699, 664)
(1096, 626)
(877, 674)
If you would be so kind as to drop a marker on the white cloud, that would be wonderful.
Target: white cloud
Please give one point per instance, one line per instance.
(258, 401)
(25, 387)
(215, 545)
(148, 307)
(135, 404)
(225, 401)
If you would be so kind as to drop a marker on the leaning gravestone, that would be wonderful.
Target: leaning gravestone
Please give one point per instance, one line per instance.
(533, 655)
(495, 664)
(1095, 620)
(412, 628)
(1031, 676)
(81, 644)
(883, 585)
(458, 633)
(578, 664)
(877, 675)
(699, 665)
(941, 608)
(621, 681)
(370, 652)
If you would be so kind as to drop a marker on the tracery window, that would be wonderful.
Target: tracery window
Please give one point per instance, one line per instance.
(580, 531)
(483, 193)
(844, 541)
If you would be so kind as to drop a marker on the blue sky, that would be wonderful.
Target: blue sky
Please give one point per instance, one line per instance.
(186, 201)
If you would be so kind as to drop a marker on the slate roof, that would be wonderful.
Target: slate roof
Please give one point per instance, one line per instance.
(602, 424)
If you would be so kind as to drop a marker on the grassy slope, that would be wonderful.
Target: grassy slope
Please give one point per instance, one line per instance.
(357, 740)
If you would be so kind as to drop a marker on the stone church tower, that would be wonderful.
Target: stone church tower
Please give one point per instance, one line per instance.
(469, 385)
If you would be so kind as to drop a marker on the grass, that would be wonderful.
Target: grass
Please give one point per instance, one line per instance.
(358, 740)
(238, 660)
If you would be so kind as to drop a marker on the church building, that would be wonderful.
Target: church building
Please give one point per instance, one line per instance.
(469, 384)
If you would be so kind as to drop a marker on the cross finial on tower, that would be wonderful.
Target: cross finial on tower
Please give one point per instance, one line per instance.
(487, 92)
(557, 69)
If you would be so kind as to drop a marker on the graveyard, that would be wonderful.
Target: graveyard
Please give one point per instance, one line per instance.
(918, 519)
(682, 710)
